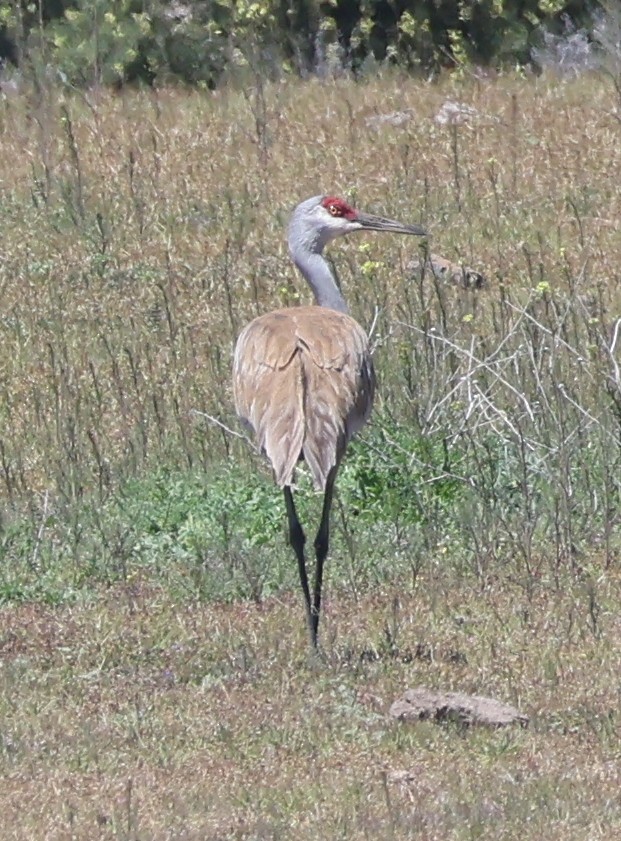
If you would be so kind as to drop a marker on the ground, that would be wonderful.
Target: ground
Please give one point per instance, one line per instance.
(131, 716)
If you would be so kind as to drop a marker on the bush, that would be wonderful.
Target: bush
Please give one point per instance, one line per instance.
(118, 41)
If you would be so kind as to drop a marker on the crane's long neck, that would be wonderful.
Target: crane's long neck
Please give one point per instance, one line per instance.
(315, 268)
(308, 235)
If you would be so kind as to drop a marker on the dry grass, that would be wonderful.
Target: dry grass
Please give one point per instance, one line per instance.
(140, 231)
(136, 717)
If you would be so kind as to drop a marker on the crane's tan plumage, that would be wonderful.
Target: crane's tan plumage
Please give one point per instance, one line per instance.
(303, 382)
(303, 378)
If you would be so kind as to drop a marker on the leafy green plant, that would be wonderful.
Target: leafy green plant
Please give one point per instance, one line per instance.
(202, 43)
(98, 43)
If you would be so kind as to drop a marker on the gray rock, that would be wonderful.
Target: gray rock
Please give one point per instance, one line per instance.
(445, 270)
(420, 704)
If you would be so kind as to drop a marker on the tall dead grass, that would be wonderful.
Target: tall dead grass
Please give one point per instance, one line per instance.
(141, 230)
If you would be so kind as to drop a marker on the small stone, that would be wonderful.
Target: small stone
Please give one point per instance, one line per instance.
(421, 704)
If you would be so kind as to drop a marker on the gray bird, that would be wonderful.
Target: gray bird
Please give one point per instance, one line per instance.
(303, 379)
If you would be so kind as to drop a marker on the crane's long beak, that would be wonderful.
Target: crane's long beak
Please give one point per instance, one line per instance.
(369, 222)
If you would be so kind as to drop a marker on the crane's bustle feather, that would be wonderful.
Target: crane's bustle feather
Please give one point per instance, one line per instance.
(303, 381)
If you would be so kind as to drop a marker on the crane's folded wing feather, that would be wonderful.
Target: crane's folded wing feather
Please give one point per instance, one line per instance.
(304, 383)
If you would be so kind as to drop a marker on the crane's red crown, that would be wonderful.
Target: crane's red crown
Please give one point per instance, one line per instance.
(339, 207)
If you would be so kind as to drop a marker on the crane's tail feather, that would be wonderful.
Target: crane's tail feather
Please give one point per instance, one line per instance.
(300, 417)
(324, 438)
(281, 429)
(299, 408)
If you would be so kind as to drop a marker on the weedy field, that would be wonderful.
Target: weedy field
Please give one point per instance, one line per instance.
(155, 676)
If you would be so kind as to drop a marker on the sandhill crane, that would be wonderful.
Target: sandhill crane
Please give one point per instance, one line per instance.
(303, 379)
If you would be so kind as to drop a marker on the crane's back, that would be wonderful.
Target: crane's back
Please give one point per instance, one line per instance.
(303, 381)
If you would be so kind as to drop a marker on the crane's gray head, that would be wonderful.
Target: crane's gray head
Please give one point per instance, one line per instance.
(316, 221)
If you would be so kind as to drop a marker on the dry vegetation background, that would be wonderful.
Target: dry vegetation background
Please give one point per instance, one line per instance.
(155, 681)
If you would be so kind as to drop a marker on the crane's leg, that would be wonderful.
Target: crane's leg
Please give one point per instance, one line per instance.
(322, 542)
(297, 540)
